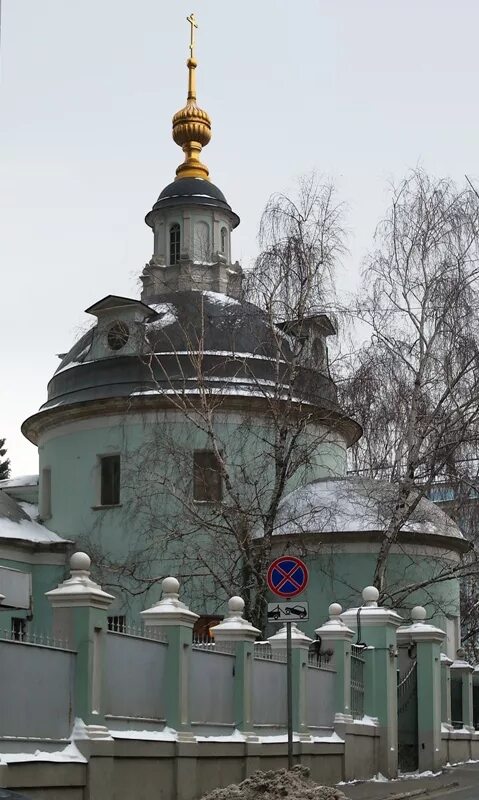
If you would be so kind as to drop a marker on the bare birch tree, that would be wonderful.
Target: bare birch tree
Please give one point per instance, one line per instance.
(414, 383)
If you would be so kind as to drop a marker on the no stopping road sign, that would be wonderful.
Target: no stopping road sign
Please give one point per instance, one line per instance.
(287, 576)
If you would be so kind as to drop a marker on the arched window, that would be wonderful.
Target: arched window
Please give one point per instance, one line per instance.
(202, 242)
(224, 234)
(174, 243)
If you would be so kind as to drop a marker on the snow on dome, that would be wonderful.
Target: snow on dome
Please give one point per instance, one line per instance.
(223, 299)
(167, 315)
(355, 505)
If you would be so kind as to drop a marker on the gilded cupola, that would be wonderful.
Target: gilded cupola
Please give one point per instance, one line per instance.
(192, 125)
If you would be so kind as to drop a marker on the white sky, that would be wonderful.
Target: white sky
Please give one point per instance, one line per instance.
(360, 90)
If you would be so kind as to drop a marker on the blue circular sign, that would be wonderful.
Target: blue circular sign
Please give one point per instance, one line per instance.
(287, 576)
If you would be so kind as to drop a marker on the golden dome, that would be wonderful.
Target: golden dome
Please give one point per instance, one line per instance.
(192, 125)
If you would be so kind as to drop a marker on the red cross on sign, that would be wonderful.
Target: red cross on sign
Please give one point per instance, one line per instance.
(287, 576)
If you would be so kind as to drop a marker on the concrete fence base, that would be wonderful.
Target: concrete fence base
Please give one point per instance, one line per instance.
(123, 768)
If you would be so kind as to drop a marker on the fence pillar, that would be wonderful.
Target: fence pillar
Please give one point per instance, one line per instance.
(462, 670)
(80, 609)
(174, 618)
(376, 627)
(334, 632)
(237, 630)
(446, 718)
(299, 663)
(427, 639)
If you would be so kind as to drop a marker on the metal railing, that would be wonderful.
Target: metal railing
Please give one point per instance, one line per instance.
(357, 681)
(318, 658)
(210, 646)
(37, 638)
(264, 652)
(139, 631)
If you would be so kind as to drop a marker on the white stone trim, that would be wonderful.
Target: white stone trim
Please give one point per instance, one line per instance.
(24, 556)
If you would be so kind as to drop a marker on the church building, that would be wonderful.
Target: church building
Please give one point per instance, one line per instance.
(158, 441)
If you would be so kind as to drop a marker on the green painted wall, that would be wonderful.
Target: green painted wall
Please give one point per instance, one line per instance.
(339, 576)
(152, 448)
(44, 578)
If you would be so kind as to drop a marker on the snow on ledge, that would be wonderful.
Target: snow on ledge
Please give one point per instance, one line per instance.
(69, 754)
(171, 735)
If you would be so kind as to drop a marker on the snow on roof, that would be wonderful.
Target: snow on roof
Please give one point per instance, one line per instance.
(223, 299)
(355, 505)
(168, 312)
(16, 523)
(79, 359)
(21, 480)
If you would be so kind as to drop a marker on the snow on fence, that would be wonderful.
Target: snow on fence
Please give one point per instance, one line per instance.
(134, 666)
(36, 688)
(211, 686)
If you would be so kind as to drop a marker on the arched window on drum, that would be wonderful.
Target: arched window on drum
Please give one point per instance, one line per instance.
(175, 243)
(224, 241)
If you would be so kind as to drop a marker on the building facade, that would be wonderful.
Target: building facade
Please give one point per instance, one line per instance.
(160, 436)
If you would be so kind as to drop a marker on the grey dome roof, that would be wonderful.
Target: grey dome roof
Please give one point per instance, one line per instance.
(189, 191)
(238, 345)
(357, 506)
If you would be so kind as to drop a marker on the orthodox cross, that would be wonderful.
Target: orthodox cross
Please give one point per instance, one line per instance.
(191, 19)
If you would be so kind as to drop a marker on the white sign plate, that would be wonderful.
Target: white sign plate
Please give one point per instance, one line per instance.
(292, 611)
(16, 586)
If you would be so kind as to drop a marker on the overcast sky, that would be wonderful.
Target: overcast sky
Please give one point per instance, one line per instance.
(359, 90)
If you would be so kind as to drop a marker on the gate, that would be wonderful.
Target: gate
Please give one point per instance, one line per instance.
(357, 681)
(407, 719)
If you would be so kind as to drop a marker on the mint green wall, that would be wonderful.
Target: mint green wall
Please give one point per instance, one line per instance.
(44, 578)
(150, 447)
(72, 458)
(341, 576)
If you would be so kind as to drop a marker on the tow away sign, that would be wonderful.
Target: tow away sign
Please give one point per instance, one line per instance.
(288, 612)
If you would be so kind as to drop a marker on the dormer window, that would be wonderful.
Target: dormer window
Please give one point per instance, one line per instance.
(224, 235)
(174, 243)
(118, 335)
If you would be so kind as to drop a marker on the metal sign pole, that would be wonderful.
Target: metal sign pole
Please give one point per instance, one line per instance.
(287, 577)
(289, 691)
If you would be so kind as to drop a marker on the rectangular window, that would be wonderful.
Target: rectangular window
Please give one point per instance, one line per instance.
(18, 628)
(207, 482)
(110, 480)
(46, 494)
(117, 623)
